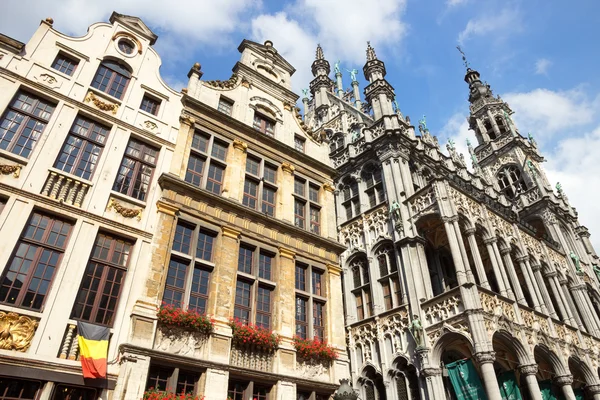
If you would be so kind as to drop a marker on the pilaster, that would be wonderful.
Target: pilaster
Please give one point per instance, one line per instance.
(236, 165)
(285, 292)
(224, 275)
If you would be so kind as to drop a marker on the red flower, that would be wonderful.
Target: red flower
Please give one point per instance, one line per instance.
(189, 320)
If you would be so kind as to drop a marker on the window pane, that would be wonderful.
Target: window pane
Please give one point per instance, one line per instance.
(301, 277)
(245, 260)
(268, 201)
(315, 220)
(313, 193)
(64, 64)
(195, 169)
(317, 279)
(301, 318)
(270, 173)
(111, 78)
(215, 178)
(65, 392)
(183, 238)
(250, 193)
(318, 321)
(225, 106)
(242, 301)
(299, 186)
(299, 213)
(150, 105)
(136, 170)
(158, 377)
(200, 142)
(263, 308)
(205, 245)
(252, 165)
(299, 144)
(264, 266)
(186, 382)
(219, 150)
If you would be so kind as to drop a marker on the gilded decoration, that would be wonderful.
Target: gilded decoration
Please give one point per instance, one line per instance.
(101, 105)
(239, 145)
(130, 37)
(287, 167)
(16, 331)
(226, 85)
(328, 187)
(6, 169)
(124, 211)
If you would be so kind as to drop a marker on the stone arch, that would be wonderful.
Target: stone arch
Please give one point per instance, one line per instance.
(511, 180)
(404, 378)
(336, 140)
(504, 342)
(549, 364)
(583, 375)
(371, 383)
(451, 342)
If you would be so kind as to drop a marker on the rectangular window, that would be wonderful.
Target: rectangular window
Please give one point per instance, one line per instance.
(200, 142)
(23, 123)
(82, 148)
(195, 169)
(252, 166)
(27, 280)
(263, 307)
(317, 279)
(68, 392)
(299, 213)
(235, 390)
(219, 150)
(268, 201)
(368, 303)
(270, 174)
(242, 308)
(299, 144)
(98, 295)
(171, 380)
(188, 276)
(65, 64)
(397, 290)
(264, 125)
(313, 193)
(12, 389)
(299, 187)
(301, 317)
(135, 172)
(225, 105)
(360, 311)
(112, 78)
(315, 220)
(150, 105)
(301, 277)
(250, 193)
(215, 178)
(318, 321)
(387, 295)
(265, 261)
(245, 259)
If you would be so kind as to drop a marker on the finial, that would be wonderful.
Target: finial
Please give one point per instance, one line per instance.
(197, 66)
(464, 57)
(320, 55)
(268, 43)
(451, 145)
(370, 52)
(50, 21)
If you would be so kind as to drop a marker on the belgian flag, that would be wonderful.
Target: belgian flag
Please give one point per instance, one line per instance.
(93, 349)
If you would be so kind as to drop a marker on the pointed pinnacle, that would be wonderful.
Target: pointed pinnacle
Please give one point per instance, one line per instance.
(320, 55)
(370, 52)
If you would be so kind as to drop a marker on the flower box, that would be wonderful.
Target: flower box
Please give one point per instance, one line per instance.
(252, 336)
(314, 350)
(187, 320)
(153, 394)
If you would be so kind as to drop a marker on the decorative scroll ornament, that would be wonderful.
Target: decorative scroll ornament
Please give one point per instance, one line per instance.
(6, 169)
(101, 105)
(124, 211)
(149, 125)
(16, 331)
(228, 84)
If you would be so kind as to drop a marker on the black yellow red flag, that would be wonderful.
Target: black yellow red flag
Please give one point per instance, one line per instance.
(93, 349)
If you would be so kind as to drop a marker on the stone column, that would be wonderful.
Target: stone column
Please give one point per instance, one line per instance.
(490, 382)
(536, 288)
(550, 277)
(335, 307)
(512, 274)
(495, 267)
(479, 268)
(509, 292)
(565, 382)
(285, 293)
(356, 91)
(579, 297)
(182, 148)
(494, 124)
(339, 86)
(133, 372)
(461, 275)
(226, 260)
(434, 383)
(594, 390)
(233, 186)
(463, 251)
(570, 306)
(215, 384)
(537, 273)
(285, 203)
(528, 372)
(527, 276)
(328, 222)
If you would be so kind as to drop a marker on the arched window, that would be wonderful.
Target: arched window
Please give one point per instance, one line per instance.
(350, 198)
(511, 181)
(388, 277)
(362, 288)
(374, 182)
(489, 129)
(336, 143)
(501, 124)
(112, 78)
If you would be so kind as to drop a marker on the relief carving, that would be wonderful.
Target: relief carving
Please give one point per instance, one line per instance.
(312, 370)
(6, 169)
(16, 331)
(101, 105)
(178, 341)
(149, 125)
(124, 211)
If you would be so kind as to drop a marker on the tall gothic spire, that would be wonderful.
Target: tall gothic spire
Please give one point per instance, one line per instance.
(319, 55)
(320, 66)
(370, 52)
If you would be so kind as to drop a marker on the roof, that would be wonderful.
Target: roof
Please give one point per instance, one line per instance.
(262, 50)
(11, 44)
(135, 24)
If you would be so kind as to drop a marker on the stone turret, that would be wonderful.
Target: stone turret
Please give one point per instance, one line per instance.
(379, 93)
(320, 85)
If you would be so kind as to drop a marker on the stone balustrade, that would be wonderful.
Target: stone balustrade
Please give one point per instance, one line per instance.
(251, 358)
(69, 349)
(65, 188)
(442, 307)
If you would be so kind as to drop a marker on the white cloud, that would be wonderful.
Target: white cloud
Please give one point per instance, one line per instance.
(457, 129)
(545, 112)
(505, 22)
(542, 65)
(204, 21)
(343, 31)
(454, 3)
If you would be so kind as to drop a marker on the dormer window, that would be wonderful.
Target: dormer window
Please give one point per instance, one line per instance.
(264, 125)
(225, 106)
(112, 78)
(150, 105)
(65, 64)
(299, 143)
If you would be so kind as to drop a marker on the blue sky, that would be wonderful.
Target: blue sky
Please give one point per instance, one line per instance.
(542, 56)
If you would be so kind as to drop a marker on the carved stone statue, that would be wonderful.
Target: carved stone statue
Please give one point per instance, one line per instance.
(355, 134)
(395, 211)
(577, 263)
(416, 327)
(336, 67)
(353, 73)
(531, 139)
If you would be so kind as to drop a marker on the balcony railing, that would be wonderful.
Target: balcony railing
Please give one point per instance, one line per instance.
(442, 307)
(65, 188)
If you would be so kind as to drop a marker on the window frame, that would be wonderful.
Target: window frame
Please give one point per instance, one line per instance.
(389, 277)
(249, 390)
(85, 140)
(41, 246)
(24, 383)
(374, 189)
(137, 170)
(304, 203)
(225, 105)
(256, 283)
(192, 262)
(310, 299)
(172, 381)
(107, 264)
(154, 108)
(361, 288)
(265, 122)
(208, 157)
(59, 385)
(65, 57)
(112, 79)
(27, 118)
(299, 144)
(263, 186)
